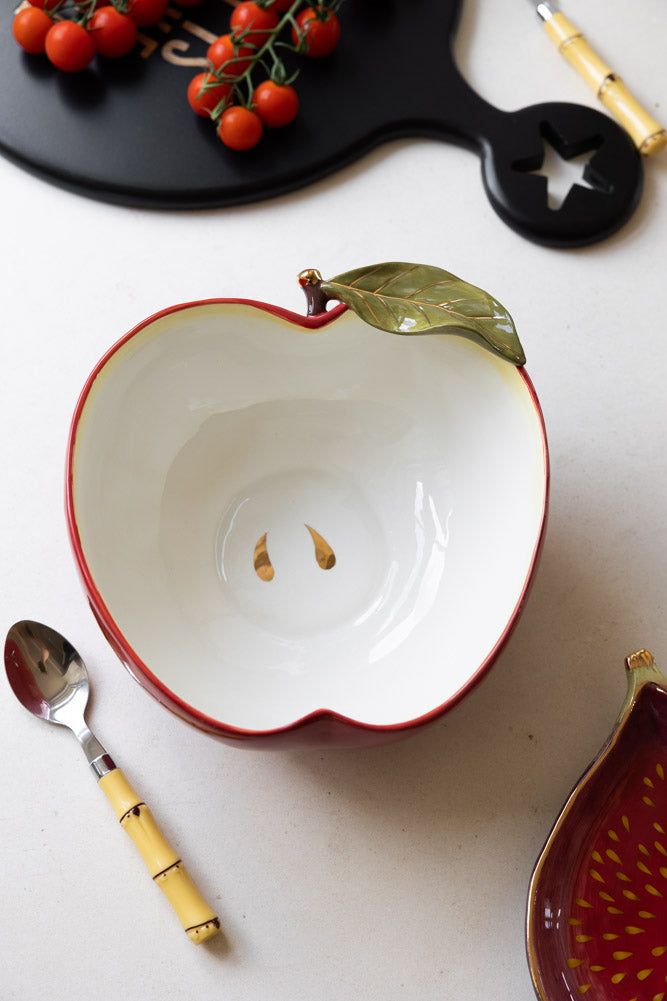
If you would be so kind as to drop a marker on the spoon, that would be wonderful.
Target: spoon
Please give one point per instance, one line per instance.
(49, 678)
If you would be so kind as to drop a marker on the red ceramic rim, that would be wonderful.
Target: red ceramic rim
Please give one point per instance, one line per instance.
(169, 698)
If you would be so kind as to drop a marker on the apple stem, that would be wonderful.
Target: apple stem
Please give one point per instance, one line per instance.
(311, 283)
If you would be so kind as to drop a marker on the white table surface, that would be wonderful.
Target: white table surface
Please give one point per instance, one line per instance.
(393, 873)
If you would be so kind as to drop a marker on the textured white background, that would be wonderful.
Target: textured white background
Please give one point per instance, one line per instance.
(386, 874)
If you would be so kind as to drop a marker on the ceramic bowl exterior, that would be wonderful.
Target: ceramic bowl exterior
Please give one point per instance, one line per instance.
(304, 530)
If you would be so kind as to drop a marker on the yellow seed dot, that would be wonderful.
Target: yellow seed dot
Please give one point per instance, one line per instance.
(652, 890)
(643, 974)
(644, 868)
(659, 950)
(573, 921)
(661, 848)
(659, 997)
(658, 827)
(621, 954)
(625, 822)
(634, 930)
(613, 856)
(663, 871)
(613, 910)
(596, 875)
(597, 969)
(647, 782)
(623, 877)
(630, 895)
(574, 963)
(613, 835)
(643, 849)
(584, 987)
(648, 801)
(646, 915)
(584, 938)
(597, 857)
(609, 936)
(606, 896)
(617, 977)
(582, 902)
(660, 771)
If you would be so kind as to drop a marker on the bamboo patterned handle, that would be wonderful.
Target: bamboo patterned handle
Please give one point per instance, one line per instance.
(164, 865)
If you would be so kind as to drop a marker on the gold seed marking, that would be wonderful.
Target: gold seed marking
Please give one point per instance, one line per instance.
(643, 974)
(652, 890)
(621, 955)
(648, 782)
(659, 950)
(644, 868)
(596, 875)
(574, 963)
(625, 822)
(597, 857)
(660, 771)
(324, 554)
(623, 877)
(630, 895)
(261, 561)
(614, 910)
(583, 903)
(646, 915)
(613, 856)
(634, 930)
(613, 836)
(661, 848)
(584, 987)
(573, 921)
(606, 896)
(617, 977)
(648, 800)
(584, 938)
(609, 936)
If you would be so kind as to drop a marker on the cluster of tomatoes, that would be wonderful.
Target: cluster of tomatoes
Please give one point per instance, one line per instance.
(72, 34)
(226, 93)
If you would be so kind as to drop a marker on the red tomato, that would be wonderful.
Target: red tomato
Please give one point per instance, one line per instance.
(320, 30)
(145, 12)
(240, 128)
(203, 101)
(256, 20)
(275, 104)
(69, 46)
(114, 33)
(222, 51)
(44, 4)
(30, 28)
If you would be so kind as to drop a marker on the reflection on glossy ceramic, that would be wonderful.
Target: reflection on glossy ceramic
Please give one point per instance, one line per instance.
(281, 519)
(597, 921)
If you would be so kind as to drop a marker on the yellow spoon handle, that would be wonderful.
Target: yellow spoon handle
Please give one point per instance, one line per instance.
(648, 134)
(164, 865)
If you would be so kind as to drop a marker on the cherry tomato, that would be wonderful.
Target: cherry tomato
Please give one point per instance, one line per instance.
(145, 12)
(114, 33)
(222, 50)
(44, 4)
(276, 104)
(259, 22)
(30, 28)
(203, 101)
(320, 30)
(69, 46)
(240, 128)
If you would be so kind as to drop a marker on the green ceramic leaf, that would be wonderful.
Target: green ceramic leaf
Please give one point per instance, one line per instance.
(420, 299)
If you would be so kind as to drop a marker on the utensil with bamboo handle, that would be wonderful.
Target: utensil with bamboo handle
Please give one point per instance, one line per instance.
(648, 135)
(49, 678)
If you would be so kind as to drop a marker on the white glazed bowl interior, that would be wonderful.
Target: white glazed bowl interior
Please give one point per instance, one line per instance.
(420, 461)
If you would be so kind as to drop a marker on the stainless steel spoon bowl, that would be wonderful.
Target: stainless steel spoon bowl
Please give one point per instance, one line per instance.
(49, 678)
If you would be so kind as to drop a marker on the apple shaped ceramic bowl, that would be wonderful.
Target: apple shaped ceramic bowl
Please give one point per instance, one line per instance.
(304, 529)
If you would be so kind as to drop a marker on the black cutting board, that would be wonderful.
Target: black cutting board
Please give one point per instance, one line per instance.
(123, 132)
